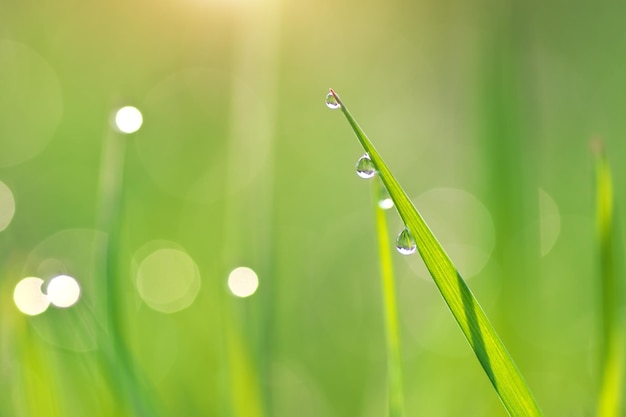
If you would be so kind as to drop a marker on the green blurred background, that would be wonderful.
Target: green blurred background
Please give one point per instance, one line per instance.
(483, 109)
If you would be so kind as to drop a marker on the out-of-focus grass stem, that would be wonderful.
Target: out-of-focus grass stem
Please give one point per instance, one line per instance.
(390, 308)
(116, 359)
(611, 393)
(248, 207)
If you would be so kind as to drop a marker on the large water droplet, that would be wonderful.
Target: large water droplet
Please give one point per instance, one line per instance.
(331, 102)
(365, 167)
(405, 243)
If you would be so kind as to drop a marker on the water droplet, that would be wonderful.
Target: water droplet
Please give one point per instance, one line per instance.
(405, 243)
(384, 202)
(331, 102)
(365, 167)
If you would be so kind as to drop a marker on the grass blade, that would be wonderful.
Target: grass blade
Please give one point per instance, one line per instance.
(612, 342)
(116, 357)
(394, 363)
(482, 337)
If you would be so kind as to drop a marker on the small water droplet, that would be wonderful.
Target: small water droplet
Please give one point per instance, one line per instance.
(331, 102)
(365, 167)
(405, 243)
(384, 202)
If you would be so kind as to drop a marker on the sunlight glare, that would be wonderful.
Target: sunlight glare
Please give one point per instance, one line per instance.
(63, 291)
(28, 296)
(128, 119)
(243, 281)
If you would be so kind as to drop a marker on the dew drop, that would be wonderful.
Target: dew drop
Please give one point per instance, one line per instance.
(365, 167)
(384, 201)
(331, 102)
(405, 243)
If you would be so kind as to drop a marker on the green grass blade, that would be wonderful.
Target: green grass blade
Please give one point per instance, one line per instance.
(394, 363)
(482, 337)
(245, 390)
(612, 353)
(116, 358)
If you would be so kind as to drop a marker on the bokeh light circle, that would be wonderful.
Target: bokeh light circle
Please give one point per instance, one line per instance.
(549, 222)
(31, 103)
(183, 151)
(348, 315)
(7, 206)
(128, 119)
(463, 225)
(76, 253)
(29, 298)
(243, 281)
(168, 279)
(63, 291)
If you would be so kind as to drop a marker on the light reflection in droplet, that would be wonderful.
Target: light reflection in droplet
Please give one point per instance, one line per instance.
(243, 281)
(7, 206)
(63, 291)
(365, 167)
(128, 119)
(331, 102)
(28, 296)
(405, 243)
(168, 280)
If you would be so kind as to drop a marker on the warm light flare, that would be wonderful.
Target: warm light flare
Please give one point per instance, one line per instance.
(243, 281)
(128, 119)
(63, 291)
(29, 298)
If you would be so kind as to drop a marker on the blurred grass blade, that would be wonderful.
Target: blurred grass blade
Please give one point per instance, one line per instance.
(246, 400)
(482, 337)
(394, 363)
(116, 357)
(612, 342)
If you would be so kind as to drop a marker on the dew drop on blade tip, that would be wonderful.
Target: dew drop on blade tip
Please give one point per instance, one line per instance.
(365, 167)
(405, 243)
(331, 102)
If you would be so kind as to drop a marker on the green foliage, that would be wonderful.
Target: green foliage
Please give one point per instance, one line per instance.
(238, 163)
(610, 398)
(392, 333)
(482, 337)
